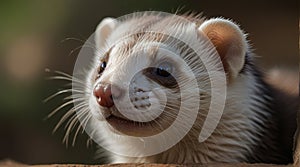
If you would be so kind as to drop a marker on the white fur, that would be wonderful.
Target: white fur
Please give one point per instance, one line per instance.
(233, 139)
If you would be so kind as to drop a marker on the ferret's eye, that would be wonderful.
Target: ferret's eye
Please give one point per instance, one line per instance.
(162, 74)
(102, 67)
(164, 70)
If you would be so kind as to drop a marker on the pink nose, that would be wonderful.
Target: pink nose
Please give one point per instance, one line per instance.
(104, 96)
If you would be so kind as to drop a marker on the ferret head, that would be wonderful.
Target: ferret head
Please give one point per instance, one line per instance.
(145, 69)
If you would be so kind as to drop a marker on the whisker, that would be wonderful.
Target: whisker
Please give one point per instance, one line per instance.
(73, 122)
(81, 126)
(72, 38)
(76, 134)
(74, 80)
(64, 76)
(78, 97)
(80, 40)
(78, 112)
(73, 50)
(85, 43)
(62, 106)
(89, 142)
(63, 118)
(68, 114)
(85, 122)
(62, 92)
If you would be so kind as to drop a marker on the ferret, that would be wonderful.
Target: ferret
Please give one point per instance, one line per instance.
(140, 56)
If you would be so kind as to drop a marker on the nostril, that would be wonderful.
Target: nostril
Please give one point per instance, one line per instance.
(98, 90)
(103, 95)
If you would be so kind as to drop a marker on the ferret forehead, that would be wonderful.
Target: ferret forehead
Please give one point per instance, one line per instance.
(147, 32)
(131, 52)
(143, 51)
(152, 22)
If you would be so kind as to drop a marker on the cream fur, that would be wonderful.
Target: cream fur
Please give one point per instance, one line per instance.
(234, 136)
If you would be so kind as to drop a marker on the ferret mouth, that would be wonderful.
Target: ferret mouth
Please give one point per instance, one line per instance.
(132, 128)
(112, 119)
(119, 124)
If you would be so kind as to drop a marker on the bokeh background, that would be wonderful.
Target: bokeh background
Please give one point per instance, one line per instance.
(32, 42)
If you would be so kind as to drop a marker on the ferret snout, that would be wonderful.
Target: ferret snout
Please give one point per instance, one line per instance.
(105, 93)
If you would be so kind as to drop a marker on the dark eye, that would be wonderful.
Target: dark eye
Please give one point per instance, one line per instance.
(102, 67)
(164, 70)
(162, 74)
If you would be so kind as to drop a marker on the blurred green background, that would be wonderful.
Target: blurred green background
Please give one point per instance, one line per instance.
(32, 32)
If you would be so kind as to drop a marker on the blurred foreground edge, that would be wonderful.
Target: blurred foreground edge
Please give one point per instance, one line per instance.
(10, 163)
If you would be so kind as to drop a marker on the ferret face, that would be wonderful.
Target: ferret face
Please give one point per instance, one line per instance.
(135, 87)
(142, 75)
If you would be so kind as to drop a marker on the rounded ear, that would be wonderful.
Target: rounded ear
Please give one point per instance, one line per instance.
(103, 30)
(230, 42)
